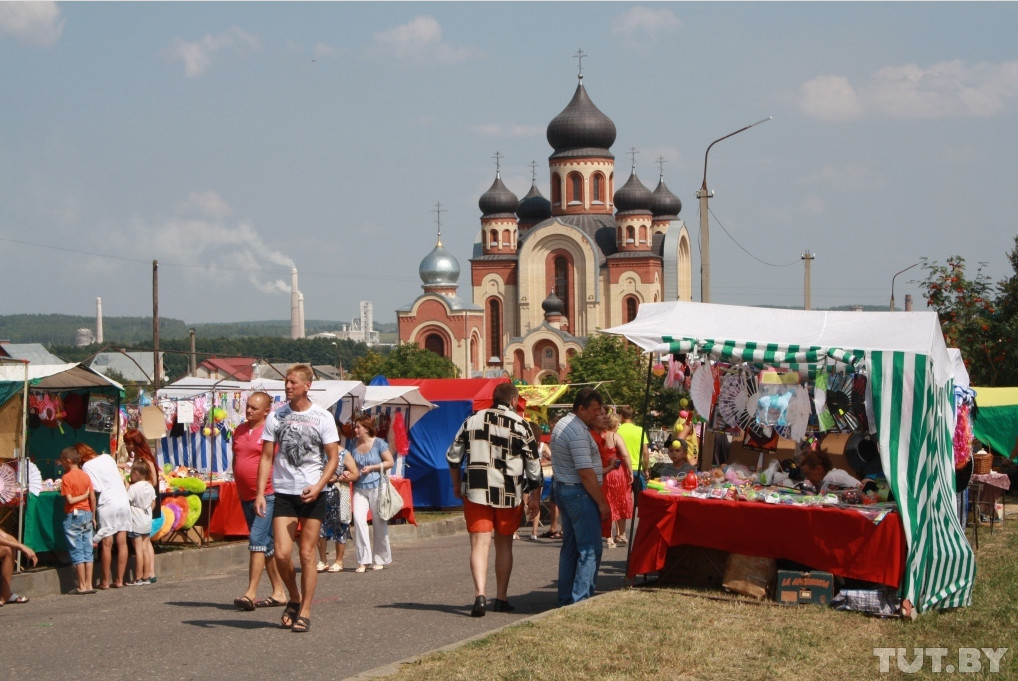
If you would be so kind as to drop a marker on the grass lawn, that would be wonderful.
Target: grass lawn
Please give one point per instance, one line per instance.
(665, 633)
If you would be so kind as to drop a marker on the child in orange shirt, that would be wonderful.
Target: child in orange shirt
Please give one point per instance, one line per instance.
(79, 510)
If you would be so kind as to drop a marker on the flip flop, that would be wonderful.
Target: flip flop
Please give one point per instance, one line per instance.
(244, 603)
(16, 598)
(79, 592)
(269, 602)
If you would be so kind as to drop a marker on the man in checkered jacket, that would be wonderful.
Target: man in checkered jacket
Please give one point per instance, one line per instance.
(498, 450)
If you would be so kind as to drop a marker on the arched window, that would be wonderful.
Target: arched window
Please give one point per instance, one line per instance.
(575, 188)
(630, 235)
(620, 237)
(506, 239)
(597, 191)
(562, 279)
(630, 306)
(435, 343)
(494, 328)
(556, 190)
(643, 234)
(493, 239)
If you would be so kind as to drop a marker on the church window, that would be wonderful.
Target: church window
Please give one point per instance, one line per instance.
(643, 235)
(597, 194)
(630, 305)
(556, 190)
(435, 343)
(506, 239)
(494, 328)
(562, 278)
(493, 239)
(575, 183)
(630, 235)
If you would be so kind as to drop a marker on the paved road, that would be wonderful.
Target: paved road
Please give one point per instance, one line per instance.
(190, 629)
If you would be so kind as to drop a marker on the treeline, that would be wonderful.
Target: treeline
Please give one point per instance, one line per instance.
(276, 350)
(61, 329)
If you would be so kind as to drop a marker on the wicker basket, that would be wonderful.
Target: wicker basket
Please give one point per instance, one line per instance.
(983, 463)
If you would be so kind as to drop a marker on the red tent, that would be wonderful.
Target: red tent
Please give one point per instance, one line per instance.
(477, 390)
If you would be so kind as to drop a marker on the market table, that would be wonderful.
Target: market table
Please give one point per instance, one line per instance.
(228, 517)
(843, 542)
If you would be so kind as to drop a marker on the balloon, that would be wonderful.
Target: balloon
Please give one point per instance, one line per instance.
(683, 402)
(206, 431)
(219, 414)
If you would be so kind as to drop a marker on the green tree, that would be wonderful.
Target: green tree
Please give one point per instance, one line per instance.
(618, 365)
(969, 316)
(408, 360)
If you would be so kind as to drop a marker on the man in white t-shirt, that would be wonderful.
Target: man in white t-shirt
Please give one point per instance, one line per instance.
(305, 460)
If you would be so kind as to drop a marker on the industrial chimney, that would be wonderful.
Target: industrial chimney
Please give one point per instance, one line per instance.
(98, 320)
(300, 314)
(294, 306)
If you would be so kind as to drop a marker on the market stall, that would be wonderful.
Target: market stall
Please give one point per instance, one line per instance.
(996, 421)
(906, 396)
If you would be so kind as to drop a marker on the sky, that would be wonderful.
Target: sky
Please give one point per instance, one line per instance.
(232, 141)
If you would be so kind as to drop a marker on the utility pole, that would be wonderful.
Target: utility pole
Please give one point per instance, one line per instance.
(155, 326)
(807, 262)
(192, 368)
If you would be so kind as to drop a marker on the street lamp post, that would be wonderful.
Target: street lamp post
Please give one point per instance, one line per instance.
(895, 277)
(336, 345)
(703, 194)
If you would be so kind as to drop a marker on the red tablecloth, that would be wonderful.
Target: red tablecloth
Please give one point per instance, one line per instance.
(228, 518)
(843, 542)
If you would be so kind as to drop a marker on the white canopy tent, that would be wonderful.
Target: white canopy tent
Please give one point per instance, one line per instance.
(908, 401)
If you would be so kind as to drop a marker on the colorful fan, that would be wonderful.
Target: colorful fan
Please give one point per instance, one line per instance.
(8, 483)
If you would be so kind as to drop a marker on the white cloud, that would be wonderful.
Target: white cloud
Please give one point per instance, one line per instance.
(829, 98)
(33, 23)
(642, 25)
(513, 130)
(207, 203)
(322, 50)
(198, 56)
(420, 40)
(946, 89)
(950, 89)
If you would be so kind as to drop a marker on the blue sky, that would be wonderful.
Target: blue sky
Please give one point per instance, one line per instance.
(231, 141)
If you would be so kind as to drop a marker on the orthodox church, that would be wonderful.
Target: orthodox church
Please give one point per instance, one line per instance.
(545, 274)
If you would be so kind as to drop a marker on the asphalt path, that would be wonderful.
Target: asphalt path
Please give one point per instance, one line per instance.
(190, 629)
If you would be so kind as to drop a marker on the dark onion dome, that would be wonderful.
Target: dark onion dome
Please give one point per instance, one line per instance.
(439, 267)
(534, 207)
(633, 196)
(553, 304)
(498, 201)
(581, 125)
(663, 203)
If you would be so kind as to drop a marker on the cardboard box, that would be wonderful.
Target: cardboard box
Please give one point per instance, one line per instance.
(749, 575)
(694, 567)
(795, 588)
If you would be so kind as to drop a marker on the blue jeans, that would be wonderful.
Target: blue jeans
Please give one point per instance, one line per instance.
(259, 528)
(78, 534)
(580, 556)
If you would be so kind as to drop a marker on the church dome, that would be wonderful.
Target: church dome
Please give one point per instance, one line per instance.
(663, 203)
(633, 196)
(534, 207)
(439, 267)
(581, 125)
(498, 200)
(553, 304)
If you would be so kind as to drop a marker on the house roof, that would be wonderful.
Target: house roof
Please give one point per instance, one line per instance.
(34, 353)
(135, 367)
(233, 367)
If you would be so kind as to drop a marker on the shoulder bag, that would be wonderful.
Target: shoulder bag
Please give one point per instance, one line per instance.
(389, 501)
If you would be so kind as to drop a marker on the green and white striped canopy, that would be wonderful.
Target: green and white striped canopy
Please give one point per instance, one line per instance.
(908, 401)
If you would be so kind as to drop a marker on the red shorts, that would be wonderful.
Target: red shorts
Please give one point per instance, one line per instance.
(483, 518)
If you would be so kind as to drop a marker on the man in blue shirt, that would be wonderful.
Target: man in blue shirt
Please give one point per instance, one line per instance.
(576, 464)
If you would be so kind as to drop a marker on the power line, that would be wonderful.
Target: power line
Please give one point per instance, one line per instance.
(744, 249)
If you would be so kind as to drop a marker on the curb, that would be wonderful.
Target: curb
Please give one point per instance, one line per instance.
(185, 563)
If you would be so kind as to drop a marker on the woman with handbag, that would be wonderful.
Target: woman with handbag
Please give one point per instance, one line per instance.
(338, 513)
(372, 455)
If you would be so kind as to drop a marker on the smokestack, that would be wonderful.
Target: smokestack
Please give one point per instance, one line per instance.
(908, 302)
(300, 314)
(294, 306)
(98, 320)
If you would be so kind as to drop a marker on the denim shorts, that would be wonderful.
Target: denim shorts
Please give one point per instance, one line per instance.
(78, 534)
(260, 528)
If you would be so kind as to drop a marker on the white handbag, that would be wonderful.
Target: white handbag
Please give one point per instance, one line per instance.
(389, 501)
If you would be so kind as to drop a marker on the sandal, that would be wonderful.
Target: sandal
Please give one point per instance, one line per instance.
(335, 567)
(289, 617)
(621, 539)
(301, 625)
(17, 598)
(269, 602)
(244, 603)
